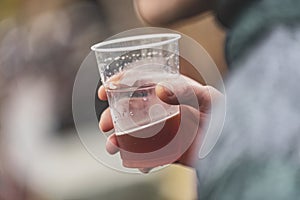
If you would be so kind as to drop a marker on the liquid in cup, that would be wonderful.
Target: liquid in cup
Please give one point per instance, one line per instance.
(143, 123)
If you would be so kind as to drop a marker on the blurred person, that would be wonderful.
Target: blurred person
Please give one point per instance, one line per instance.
(258, 153)
(40, 51)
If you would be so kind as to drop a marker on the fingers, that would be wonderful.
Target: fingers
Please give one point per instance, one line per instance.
(186, 91)
(102, 93)
(112, 144)
(106, 123)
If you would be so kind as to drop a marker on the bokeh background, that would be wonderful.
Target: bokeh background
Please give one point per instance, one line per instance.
(42, 44)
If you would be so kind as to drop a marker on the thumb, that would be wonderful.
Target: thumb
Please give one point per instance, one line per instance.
(185, 91)
(165, 92)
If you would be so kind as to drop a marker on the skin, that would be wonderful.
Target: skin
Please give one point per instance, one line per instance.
(204, 95)
(158, 12)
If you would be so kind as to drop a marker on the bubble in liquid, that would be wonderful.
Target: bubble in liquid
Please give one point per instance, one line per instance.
(107, 59)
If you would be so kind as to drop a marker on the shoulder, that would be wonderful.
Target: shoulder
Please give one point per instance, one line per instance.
(260, 143)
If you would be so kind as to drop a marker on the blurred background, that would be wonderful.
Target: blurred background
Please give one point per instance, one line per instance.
(42, 44)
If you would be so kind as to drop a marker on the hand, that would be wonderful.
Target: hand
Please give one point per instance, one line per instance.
(196, 116)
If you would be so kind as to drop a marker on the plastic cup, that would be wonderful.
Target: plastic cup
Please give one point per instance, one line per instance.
(130, 68)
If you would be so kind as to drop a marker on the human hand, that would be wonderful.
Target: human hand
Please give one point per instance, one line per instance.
(193, 124)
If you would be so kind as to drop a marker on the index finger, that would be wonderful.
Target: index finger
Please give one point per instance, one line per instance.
(102, 93)
(188, 92)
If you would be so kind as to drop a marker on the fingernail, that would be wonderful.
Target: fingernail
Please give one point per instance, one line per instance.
(168, 92)
(167, 89)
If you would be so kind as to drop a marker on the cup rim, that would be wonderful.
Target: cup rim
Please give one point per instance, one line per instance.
(171, 37)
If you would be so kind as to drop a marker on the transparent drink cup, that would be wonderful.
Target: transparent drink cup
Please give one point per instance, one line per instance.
(130, 68)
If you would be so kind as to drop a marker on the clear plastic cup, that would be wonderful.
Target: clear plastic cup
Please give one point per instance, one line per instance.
(130, 68)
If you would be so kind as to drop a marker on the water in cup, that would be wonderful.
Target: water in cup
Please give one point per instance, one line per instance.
(143, 123)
